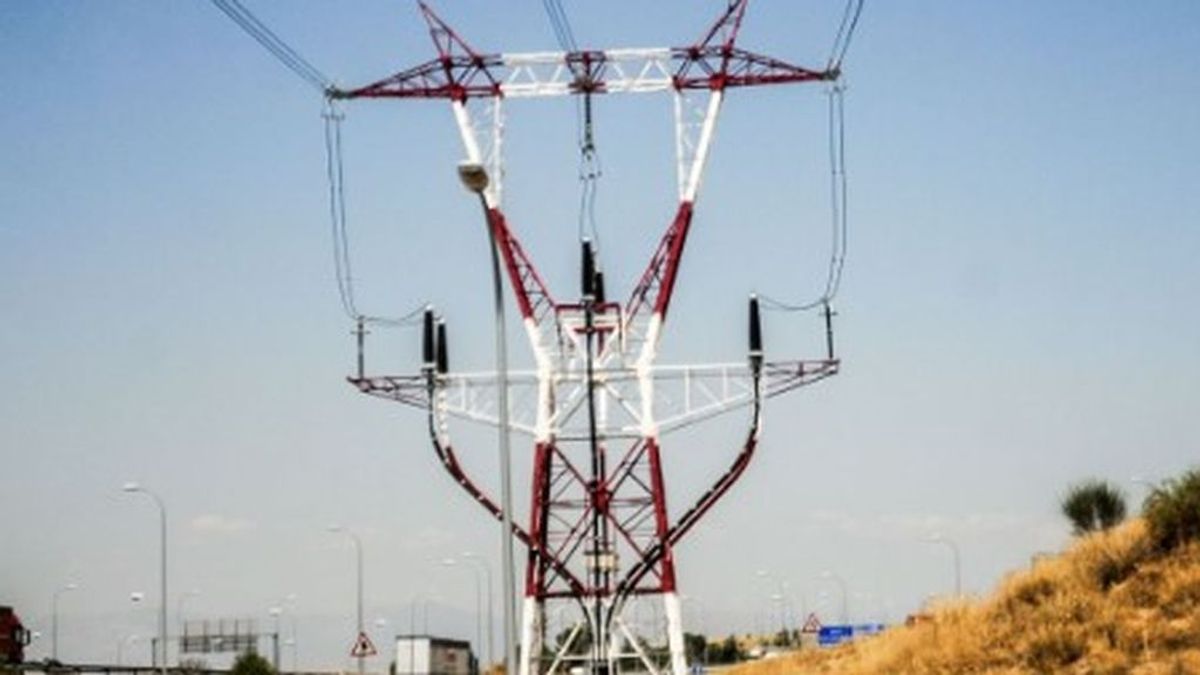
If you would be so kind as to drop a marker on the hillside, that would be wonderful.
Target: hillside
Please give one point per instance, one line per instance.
(1106, 605)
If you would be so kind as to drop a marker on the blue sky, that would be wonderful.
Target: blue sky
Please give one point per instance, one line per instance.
(1016, 313)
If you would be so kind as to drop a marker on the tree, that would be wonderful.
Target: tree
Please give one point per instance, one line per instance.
(694, 647)
(1093, 505)
(1173, 512)
(251, 663)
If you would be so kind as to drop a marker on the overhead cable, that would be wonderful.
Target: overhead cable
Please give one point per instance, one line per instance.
(839, 226)
(343, 271)
(841, 41)
(283, 52)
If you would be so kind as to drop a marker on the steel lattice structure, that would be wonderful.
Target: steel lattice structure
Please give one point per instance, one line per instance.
(596, 404)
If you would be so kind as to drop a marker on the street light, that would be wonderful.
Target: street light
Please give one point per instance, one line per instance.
(829, 574)
(358, 558)
(938, 538)
(487, 569)
(287, 604)
(275, 612)
(777, 598)
(451, 562)
(475, 178)
(54, 617)
(162, 615)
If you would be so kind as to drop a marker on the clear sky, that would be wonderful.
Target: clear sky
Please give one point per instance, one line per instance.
(1018, 311)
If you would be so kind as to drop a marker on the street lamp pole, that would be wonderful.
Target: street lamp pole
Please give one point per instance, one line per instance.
(491, 630)
(275, 612)
(451, 562)
(54, 618)
(828, 574)
(938, 538)
(162, 610)
(287, 604)
(359, 563)
(474, 177)
(777, 598)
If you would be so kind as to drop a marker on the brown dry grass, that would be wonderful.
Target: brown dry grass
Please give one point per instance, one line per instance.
(1106, 606)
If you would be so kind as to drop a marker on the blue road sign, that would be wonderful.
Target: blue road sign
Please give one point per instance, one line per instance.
(832, 635)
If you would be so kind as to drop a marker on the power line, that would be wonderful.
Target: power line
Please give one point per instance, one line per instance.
(839, 226)
(290, 58)
(343, 271)
(841, 41)
(839, 222)
(561, 25)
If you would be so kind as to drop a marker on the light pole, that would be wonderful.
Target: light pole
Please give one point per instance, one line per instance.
(54, 617)
(491, 629)
(938, 538)
(162, 614)
(287, 604)
(358, 559)
(474, 177)
(776, 598)
(829, 574)
(275, 612)
(451, 562)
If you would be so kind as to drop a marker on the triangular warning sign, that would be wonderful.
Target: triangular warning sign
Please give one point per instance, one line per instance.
(812, 624)
(363, 647)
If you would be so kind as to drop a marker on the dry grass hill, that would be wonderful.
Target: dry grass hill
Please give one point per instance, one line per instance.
(1115, 602)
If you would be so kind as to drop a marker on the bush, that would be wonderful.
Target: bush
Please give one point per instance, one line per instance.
(1093, 505)
(1173, 512)
(251, 664)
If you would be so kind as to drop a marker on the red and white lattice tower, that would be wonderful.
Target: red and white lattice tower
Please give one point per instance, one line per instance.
(599, 531)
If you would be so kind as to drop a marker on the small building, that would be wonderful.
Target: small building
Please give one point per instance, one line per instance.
(429, 655)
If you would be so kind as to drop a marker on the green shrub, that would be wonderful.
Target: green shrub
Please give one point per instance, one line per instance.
(1173, 512)
(252, 664)
(1093, 505)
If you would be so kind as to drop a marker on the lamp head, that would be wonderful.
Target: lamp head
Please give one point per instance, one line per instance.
(473, 176)
(136, 596)
(131, 486)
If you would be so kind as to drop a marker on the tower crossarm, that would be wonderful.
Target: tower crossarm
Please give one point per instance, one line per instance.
(636, 70)
(683, 395)
(460, 72)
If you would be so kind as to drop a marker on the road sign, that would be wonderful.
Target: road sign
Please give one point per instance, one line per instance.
(833, 635)
(363, 647)
(812, 624)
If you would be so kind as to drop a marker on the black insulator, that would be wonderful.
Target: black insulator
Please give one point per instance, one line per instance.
(599, 288)
(427, 346)
(756, 347)
(829, 331)
(443, 358)
(589, 271)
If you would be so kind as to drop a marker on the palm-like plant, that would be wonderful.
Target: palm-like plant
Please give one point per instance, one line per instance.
(1093, 505)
